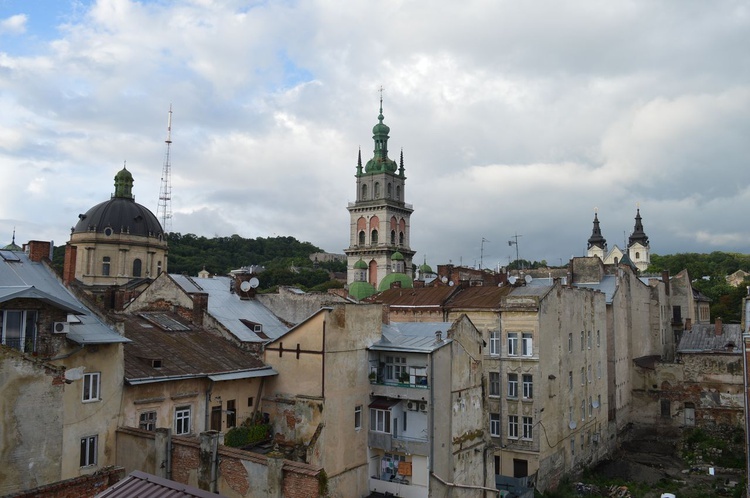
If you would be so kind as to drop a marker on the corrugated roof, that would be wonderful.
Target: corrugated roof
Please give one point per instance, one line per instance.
(702, 338)
(608, 286)
(418, 337)
(229, 309)
(142, 485)
(157, 355)
(422, 297)
(27, 279)
(484, 297)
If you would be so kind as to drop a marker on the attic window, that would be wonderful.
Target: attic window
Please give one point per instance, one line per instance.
(255, 327)
(165, 322)
(156, 363)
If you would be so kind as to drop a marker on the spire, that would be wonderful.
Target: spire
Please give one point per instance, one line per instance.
(401, 164)
(124, 184)
(596, 239)
(359, 162)
(638, 234)
(380, 161)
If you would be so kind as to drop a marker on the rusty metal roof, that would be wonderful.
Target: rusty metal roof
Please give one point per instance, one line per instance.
(415, 298)
(479, 297)
(145, 485)
(702, 338)
(158, 354)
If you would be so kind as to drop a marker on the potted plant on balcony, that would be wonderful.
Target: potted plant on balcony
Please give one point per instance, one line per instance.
(373, 377)
(403, 378)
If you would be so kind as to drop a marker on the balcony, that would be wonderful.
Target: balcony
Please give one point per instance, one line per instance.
(398, 487)
(415, 391)
(389, 443)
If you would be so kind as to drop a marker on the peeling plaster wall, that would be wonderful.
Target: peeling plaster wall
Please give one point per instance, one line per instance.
(31, 444)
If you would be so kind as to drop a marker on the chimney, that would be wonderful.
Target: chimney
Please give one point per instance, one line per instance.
(665, 279)
(386, 314)
(718, 326)
(396, 284)
(688, 324)
(69, 266)
(418, 284)
(439, 336)
(200, 306)
(38, 250)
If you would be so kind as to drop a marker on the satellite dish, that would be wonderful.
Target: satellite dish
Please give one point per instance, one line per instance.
(74, 373)
(500, 284)
(595, 404)
(254, 282)
(528, 279)
(572, 425)
(444, 280)
(451, 283)
(512, 280)
(245, 286)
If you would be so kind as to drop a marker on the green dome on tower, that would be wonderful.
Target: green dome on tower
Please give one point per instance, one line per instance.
(389, 279)
(425, 268)
(124, 184)
(397, 256)
(360, 265)
(361, 290)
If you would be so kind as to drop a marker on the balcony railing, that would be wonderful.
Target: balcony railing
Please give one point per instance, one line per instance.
(25, 345)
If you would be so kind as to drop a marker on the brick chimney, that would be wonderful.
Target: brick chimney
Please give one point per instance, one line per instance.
(665, 279)
(688, 324)
(200, 306)
(69, 266)
(718, 327)
(39, 249)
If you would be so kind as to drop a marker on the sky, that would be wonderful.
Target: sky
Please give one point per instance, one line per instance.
(515, 118)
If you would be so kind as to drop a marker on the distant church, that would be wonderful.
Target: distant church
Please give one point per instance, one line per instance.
(116, 241)
(379, 255)
(637, 250)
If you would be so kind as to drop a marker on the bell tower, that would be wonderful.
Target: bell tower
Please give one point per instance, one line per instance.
(379, 226)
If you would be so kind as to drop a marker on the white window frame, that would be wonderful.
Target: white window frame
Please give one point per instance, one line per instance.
(89, 451)
(27, 320)
(512, 343)
(394, 366)
(495, 424)
(528, 386)
(528, 428)
(513, 385)
(380, 420)
(91, 387)
(494, 343)
(512, 426)
(528, 344)
(357, 417)
(494, 380)
(183, 420)
(147, 419)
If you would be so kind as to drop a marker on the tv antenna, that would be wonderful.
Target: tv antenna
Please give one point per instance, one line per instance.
(164, 211)
(481, 253)
(515, 243)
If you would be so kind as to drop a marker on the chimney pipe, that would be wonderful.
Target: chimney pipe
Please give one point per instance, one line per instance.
(439, 336)
(665, 279)
(718, 327)
(69, 264)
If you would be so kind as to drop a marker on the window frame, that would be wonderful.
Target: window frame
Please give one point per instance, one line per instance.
(512, 426)
(570, 342)
(27, 333)
(91, 387)
(495, 425)
(147, 420)
(495, 338)
(494, 384)
(527, 424)
(527, 381)
(89, 451)
(527, 344)
(512, 385)
(380, 420)
(183, 416)
(512, 343)
(357, 417)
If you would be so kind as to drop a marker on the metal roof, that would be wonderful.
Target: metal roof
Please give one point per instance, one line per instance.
(143, 485)
(23, 278)
(245, 374)
(423, 297)
(702, 338)
(229, 309)
(417, 337)
(484, 297)
(607, 285)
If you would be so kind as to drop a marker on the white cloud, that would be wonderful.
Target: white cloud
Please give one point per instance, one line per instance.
(13, 25)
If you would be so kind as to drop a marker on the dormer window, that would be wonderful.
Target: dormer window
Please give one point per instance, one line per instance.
(18, 329)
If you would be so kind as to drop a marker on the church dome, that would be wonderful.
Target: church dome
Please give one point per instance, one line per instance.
(360, 265)
(120, 214)
(391, 278)
(425, 268)
(361, 290)
(397, 256)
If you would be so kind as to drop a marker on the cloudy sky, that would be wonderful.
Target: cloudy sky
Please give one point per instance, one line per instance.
(514, 118)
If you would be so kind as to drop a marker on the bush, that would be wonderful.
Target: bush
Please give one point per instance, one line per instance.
(237, 437)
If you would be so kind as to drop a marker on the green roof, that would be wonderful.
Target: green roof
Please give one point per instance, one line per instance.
(361, 290)
(397, 256)
(360, 265)
(385, 284)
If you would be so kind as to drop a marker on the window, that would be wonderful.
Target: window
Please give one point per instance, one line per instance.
(377, 190)
(570, 380)
(394, 367)
(393, 237)
(147, 421)
(495, 424)
(364, 192)
(512, 344)
(528, 386)
(494, 383)
(398, 192)
(400, 238)
(598, 339)
(105, 265)
(528, 427)
(581, 340)
(570, 342)
(512, 426)
(599, 401)
(512, 385)
(570, 413)
(374, 237)
(158, 268)
(182, 420)
(389, 190)
(494, 343)
(589, 339)
(583, 410)
(380, 420)
(137, 267)
(18, 329)
(88, 451)
(231, 413)
(90, 387)
(599, 369)
(528, 350)
(404, 425)
(250, 401)
(591, 406)
(583, 376)
(358, 417)
(588, 373)
(362, 237)
(573, 446)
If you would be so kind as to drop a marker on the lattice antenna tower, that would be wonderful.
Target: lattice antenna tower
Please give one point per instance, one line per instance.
(164, 211)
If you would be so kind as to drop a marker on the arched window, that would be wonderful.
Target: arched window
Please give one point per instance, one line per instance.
(136, 267)
(362, 237)
(637, 255)
(398, 192)
(388, 190)
(373, 273)
(401, 238)
(377, 190)
(105, 266)
(374, 237)
(393, 237)
(364, 192)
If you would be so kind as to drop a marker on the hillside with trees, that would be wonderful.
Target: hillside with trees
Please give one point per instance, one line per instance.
(708, 272)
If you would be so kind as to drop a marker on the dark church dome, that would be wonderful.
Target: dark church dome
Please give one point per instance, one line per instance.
(120, 214)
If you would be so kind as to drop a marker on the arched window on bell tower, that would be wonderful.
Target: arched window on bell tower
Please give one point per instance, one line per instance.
(364, 191)
(374, 237)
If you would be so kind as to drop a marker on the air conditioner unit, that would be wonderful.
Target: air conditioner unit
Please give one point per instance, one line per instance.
(410, 405)
(60, 328)
(423, 407)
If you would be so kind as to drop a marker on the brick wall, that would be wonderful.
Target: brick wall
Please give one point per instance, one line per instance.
(78, 487)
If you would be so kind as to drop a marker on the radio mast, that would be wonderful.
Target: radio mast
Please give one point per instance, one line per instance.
(164, 211)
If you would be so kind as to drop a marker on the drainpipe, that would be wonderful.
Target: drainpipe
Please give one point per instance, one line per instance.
(208, 405)
(431, 420)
